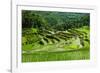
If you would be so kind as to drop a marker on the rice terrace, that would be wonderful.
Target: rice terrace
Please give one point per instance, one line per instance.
(55, 36)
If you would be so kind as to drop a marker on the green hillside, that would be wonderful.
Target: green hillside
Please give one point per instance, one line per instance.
(55, 36)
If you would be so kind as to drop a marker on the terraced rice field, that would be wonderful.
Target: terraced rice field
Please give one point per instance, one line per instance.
(72, 44)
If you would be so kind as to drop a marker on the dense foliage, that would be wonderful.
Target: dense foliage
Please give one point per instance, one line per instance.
(54, 20)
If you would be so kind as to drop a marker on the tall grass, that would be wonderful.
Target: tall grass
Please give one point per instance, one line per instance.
(82, 54)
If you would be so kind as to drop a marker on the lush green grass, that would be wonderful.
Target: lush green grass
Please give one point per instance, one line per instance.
(82, 54)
